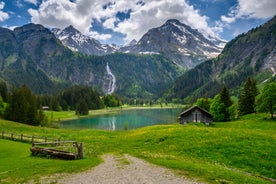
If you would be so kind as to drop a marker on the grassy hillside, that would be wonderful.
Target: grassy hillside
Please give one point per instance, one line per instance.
(233, 152)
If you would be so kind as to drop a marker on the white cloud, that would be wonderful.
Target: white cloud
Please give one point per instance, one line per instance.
(3, 15)
(143, 16)
(154, 13)
(31, 1)
(110, 23)
(228, 19)
(99, 36)
(257, 9)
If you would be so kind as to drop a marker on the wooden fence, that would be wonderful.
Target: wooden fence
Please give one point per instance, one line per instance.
(25, 138)
(49, 147)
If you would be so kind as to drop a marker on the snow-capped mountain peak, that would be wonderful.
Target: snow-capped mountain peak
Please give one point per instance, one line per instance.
(183, 45)
(187, 29)
(180, 43)
(75, 40)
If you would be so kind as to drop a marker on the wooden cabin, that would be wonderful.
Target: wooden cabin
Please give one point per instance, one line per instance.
(196, 114)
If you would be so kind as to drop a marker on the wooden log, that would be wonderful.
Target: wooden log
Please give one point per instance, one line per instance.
(54, 153)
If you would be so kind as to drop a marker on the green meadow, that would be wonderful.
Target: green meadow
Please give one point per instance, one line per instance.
(241, 151)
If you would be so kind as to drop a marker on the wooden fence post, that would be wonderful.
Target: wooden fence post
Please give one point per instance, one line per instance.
(80, 150)
(21, 137)
(32, 139)
(45, 139)
(11, 136)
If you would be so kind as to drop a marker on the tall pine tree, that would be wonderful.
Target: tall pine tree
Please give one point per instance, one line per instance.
(23, 107)
(220, 105)
(247, 96)
(4, 91)
(82, 108)
(225, 99)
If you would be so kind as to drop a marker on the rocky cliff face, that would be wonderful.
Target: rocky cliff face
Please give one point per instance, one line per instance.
(23, 59)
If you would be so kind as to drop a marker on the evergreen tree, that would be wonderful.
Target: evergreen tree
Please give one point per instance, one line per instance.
(22, 107)
(70, 98)
(112, 101)
(4, 91)
(220, 106)
(41, 118)
(225, 98)
(17, 110)
(82, 108)
(3, 106)
(55, 104)
(246, 104)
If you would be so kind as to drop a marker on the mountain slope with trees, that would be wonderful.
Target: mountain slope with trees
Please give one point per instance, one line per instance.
(249, 54)
(33, 56)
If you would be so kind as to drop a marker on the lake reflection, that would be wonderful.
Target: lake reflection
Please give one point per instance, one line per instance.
(126, 119)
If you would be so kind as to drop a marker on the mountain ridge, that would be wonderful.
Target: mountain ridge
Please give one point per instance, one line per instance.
(33, 56)
(251, 54)
(76, 41)
(179, 42)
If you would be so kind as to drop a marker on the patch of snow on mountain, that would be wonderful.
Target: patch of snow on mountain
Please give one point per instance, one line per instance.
(184, 51)
(149, 53)
(220, 43)
(80, 39)
(181, 39)
(73, 48)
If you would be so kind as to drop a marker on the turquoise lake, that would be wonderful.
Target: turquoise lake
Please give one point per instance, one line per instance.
(130, 119)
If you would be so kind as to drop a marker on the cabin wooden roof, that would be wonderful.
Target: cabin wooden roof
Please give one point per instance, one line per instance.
(196, 107)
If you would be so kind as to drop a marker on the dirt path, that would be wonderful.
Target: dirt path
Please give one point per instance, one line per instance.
(125, 170)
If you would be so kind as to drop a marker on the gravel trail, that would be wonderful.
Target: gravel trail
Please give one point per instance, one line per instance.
(125, 169)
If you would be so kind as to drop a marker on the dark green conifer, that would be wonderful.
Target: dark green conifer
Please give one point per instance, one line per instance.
(82, 108)
(246, 104)
(23, 107)
(225, 99)
(4, 91)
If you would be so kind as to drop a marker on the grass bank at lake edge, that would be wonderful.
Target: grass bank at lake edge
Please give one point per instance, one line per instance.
(220, 154)
(54, 116)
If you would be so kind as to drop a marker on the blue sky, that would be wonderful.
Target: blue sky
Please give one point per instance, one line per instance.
(120, 21)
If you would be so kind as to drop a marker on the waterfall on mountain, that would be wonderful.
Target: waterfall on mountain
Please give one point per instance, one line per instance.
(110, 83)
